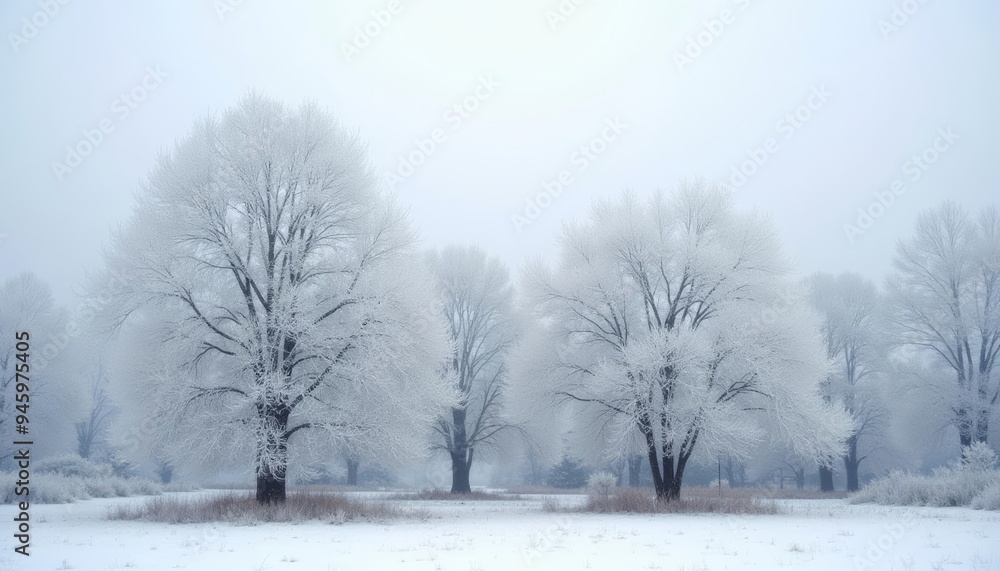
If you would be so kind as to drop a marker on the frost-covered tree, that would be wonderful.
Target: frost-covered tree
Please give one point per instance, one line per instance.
(945, 294)
(27, 306)
(478, 305)
(850, 307)
(272, 292)
(676, 321)
(90, 431)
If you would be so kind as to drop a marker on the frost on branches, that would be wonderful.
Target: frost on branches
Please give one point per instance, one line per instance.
(278, 289)
(676, 319)
(478, 306)
(945, 293)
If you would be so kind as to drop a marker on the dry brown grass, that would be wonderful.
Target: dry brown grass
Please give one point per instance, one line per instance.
(243, 509)
(704, 492)
(643, 501)
(761, 493)
(435, 494)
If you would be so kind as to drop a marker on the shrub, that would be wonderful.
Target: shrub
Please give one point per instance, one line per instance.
(46, 489)
(988, 499)
(66, 479)
(72, 466)
(945, 487)
(978, 457)
(243, 509)
(601, 485)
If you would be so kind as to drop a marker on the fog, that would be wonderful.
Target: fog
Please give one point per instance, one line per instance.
(559, 79)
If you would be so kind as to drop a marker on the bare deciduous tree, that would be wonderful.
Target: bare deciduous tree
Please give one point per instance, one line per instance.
(90, 430)
(477, 299)
(946, 301)
(855, 339)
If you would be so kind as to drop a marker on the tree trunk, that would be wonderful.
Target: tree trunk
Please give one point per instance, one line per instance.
(668, 483)
(851, 463)
(728, 467)
(965, 427)
(270, 486)
(460, 467)
(352, 472)
(461, 454)
(634, 470)
(736, 472)
(800, 478)
(274, 445)
(825, 479)
(166, 472)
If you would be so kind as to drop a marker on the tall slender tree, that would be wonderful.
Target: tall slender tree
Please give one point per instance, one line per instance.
(850, 307)
(478, 302)
(945, 292)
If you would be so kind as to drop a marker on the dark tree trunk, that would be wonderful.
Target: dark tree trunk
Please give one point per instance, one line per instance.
(964, 427)
(634, 470)
(461, 454)
(851, 463)
(270, 487)
(166, 472)
(460, 467)
(825, 479)
(271, 475)
(668, 483)
(352, 472)
(800, 477)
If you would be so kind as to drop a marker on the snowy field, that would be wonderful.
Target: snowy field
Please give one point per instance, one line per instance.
(812, 534)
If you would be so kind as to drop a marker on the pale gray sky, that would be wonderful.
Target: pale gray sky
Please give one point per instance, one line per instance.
(554, 83)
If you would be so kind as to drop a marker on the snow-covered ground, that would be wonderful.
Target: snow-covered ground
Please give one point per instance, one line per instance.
(510, 535)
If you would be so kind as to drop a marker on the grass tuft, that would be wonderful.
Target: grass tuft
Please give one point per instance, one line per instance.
(443, 495)
(643, 501)
(243, 509)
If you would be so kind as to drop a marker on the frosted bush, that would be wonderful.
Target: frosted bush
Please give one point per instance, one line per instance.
(600, 485)
(103, 488)
(45, 489)
(48, 487)
(73, 466)
(978, 457)
(945, 487)
(988, 499)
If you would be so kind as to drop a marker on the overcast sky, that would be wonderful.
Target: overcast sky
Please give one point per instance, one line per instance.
(881, 86)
